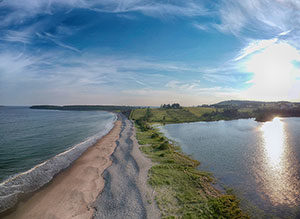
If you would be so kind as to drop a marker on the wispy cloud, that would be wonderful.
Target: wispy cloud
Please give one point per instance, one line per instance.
(195, 97)
(255, 46)
(23, 10)
(56, 40)
(17, 36)
(183, 86)
(260, 19)
(12, 64)
(64, 75)
(201, 26)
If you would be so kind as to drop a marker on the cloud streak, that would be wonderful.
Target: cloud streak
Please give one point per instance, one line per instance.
(63, 75)
(261, 19)
(24, 10)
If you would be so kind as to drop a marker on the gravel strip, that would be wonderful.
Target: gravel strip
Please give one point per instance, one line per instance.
(126, 193)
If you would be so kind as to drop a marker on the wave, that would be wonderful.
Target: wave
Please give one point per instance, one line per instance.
(16, 187)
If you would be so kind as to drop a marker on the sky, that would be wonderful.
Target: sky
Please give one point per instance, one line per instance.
(146, 52)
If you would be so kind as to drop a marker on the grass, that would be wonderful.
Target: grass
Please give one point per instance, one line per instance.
(182, 191)
(166, 115)
(190, 114)
(138, 113)
(199, 111)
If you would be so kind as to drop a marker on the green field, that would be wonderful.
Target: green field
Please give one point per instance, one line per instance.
(189, 114)
(199, 111)
(186, 114)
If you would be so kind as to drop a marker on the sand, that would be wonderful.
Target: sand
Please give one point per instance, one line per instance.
(72, 192)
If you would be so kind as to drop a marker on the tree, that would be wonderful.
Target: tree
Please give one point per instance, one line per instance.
(173, 106)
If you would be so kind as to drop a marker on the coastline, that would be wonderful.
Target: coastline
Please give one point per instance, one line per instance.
(22, 185)
(72, 191)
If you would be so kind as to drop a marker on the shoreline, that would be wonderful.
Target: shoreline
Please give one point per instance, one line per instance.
(22, 185)
(73, 190)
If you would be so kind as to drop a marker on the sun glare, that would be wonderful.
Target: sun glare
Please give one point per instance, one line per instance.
(274, 73)
(276, 181)
(273, 133)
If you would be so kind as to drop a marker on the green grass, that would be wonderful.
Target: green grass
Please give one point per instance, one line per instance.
(166, 115)
(189, 114)
(199, 111)
(182, 115)
(138, 113)
(160, 115)
(182, 191)
(246, 110)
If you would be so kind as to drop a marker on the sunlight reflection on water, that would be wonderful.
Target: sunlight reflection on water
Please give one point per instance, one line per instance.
(259, 160)
(278, 180)
(274, 142)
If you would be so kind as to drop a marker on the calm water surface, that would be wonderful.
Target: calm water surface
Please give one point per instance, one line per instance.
(260, 161)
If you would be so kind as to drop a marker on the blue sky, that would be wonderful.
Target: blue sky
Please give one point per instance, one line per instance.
(145, 52)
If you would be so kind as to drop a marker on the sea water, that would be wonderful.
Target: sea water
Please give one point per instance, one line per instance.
(260, 161)
(35, 145)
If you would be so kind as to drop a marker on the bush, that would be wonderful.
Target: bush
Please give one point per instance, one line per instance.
(143, 125)
(154, 135)
(163, 146)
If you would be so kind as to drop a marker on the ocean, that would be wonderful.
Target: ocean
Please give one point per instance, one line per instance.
(35, 145)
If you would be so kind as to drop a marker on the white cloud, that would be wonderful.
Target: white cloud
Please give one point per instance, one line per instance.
(201, 26)
(70, 78)
(199, 96)
(285, 33)
(23, 10)
(261, 19)
(183, 86)
(255, 46)
(14, 63)
(56, 40)
(17, 36)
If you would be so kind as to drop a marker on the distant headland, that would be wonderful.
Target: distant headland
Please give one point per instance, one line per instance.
(174, 113)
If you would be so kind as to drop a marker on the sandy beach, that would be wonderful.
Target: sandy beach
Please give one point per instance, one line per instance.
(108, 181)
(71, 192)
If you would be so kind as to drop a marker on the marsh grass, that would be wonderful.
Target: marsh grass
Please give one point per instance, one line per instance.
(182, 191)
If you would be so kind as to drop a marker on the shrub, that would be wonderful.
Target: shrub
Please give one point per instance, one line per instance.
(154, 135)
(163, 146)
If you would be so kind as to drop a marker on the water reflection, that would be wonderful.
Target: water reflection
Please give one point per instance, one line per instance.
(277, 176)
(274, 142)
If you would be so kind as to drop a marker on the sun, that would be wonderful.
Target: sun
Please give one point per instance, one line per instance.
(274, 73)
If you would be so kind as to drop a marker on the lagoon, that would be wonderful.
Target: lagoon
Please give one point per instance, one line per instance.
(260, 161)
